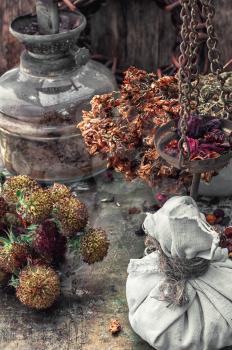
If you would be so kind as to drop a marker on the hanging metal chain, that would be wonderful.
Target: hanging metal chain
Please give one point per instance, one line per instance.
(193, 67)
(216, 67)
(188, 72)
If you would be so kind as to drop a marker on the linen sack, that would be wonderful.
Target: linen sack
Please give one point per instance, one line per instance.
(205, 322)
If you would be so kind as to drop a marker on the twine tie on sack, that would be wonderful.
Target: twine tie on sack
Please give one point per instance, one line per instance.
(177, 272)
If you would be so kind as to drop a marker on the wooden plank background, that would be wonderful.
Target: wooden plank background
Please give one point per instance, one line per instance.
(136, 32)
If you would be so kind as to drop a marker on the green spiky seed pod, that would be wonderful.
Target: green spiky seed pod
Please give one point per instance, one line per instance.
(36, 207)
(13, 256)
(72, 215)
(94, 246)
(59, 192)
(39, 287)
(21, 183)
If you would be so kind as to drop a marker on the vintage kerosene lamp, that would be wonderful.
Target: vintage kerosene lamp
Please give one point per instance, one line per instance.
(42, 100)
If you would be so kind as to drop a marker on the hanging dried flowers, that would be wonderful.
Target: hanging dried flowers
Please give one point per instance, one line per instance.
(42, 226)
(121, 126)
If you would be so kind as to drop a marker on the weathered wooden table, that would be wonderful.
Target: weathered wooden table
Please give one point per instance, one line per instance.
(92, 296)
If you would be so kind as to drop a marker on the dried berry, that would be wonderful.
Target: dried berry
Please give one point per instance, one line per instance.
(228, 232)
(161, 198)
(115, 327)
(219, 213)
(211, 219)
(39, 287)
(21, 183)
(94, 246)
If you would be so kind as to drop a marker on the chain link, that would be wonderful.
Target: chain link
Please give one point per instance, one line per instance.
(188, 72)
(216, 67)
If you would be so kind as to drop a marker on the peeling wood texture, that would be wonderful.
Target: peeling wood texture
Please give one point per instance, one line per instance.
(224, 29)
(136, 32)
(9, 46)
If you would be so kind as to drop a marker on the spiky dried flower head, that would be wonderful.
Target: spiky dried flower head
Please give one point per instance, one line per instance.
(36, 206)
(48, 242)
(72, 215)
(59, 192)
(39, 287)
(94, 246)
(45, 238)
(21, 183)
(13, 256)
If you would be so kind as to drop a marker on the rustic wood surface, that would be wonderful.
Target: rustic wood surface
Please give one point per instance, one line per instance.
(136, 32)
(92, 296)
(9, 46)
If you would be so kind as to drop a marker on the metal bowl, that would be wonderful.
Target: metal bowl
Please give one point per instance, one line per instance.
(167, 133)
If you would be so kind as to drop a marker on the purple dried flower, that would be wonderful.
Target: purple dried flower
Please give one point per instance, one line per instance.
(193, 145)
(195, 126)
(219, 213)
(161, 198)
(215, 135)
(212, 123)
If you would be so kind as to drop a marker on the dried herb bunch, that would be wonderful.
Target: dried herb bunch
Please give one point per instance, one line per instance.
(121, 126)
(39, 227)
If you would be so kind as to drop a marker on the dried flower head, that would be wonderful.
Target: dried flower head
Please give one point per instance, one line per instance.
(94, 246)
(59, 191)
(39, 287)
(36, 206)
(48, 243)
(12, 256)
(21, 183)
(122, 126)
(72, 215)
(115, 327)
